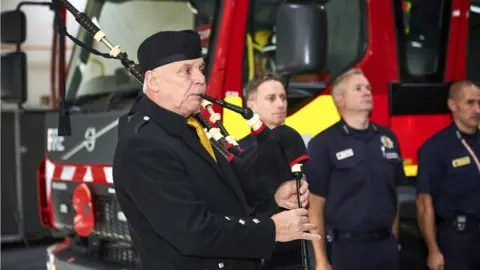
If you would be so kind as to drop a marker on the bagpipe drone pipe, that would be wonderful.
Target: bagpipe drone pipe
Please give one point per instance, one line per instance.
(278, 152)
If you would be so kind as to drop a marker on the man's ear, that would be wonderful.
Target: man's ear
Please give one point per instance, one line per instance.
(452, 106)
(338, 100)
(150, 81)
(251, 104)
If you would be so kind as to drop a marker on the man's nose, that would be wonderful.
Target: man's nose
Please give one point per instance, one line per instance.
(477, 108)
(279, 102)
(366, 91)
(198, 77)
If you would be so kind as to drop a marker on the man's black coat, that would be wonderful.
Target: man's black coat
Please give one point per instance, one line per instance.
(185, 210)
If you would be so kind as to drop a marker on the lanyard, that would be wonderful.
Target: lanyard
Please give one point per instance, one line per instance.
(469, 149)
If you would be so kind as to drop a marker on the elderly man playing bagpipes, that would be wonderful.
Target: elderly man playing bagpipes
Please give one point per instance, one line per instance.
(190, 196)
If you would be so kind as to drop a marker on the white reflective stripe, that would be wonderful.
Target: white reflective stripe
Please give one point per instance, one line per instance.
(49, 169)
(475, 9)
(67, 173)
(88, 177)
(108, 174)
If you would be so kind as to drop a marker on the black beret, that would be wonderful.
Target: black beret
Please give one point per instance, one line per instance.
(167, 47)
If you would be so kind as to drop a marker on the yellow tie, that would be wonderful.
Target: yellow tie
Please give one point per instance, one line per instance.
(201, 134)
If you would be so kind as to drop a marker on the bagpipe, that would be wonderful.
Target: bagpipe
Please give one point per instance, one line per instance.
(278, 150)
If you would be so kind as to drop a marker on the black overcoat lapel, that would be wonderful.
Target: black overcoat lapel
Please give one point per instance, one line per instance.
(171, 123)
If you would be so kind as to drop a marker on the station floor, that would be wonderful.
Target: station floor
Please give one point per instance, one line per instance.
(33, 256)
(24, 256)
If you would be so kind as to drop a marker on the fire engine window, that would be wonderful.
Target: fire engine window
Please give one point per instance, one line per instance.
(473, 53)
(422, 27)
(206, 17)
(95, 75)
(346, 18)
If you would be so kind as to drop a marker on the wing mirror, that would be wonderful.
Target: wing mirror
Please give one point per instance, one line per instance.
(301, 33)
(13, 27)
(14, 64)
(14, 77)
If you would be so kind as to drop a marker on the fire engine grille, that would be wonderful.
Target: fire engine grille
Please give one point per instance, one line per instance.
(110, 223)
(119, 253)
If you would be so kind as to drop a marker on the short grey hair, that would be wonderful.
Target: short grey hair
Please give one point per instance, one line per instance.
(337, 86)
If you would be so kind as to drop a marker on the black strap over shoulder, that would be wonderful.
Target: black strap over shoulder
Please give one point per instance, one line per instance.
(125, 118)
(122, 123)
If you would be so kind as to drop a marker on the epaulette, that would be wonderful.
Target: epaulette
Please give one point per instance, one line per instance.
(141, 123)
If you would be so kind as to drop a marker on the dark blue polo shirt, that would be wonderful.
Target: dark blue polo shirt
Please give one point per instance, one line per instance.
(357, 171)
(448, 172)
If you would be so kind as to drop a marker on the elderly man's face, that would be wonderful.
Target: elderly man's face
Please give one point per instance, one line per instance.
(180, 84)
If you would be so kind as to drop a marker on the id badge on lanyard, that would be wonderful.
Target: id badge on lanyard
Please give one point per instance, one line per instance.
(470, 150)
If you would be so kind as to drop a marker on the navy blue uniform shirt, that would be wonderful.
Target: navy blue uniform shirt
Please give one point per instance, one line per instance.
(448, 172)
(357, 171)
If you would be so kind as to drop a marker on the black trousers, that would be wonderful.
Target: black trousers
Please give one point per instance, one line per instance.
(350, 254)
(461, 250)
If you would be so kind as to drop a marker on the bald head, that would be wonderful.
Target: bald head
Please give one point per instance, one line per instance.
(457, 89)
(464, 103)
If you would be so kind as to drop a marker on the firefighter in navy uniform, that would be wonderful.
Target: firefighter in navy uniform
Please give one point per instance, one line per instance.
(185, 207)
(266, 96)
(353, 173)
(448, 185)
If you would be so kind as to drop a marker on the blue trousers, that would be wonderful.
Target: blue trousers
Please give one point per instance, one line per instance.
(461, 250)
(379, 254)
